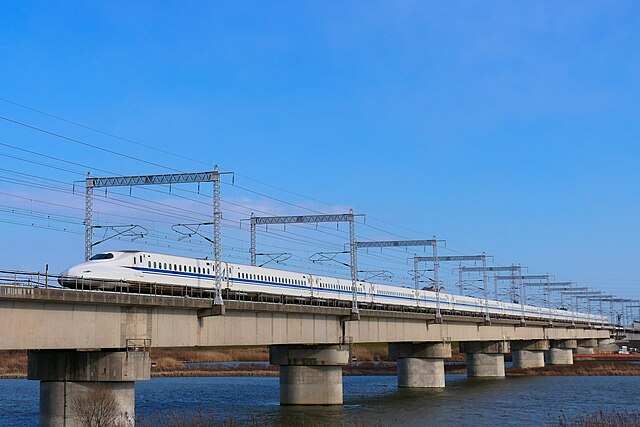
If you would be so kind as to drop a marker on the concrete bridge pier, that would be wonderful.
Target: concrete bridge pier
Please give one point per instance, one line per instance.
(528, 354)
(485, 359)
(560, 352)
(586, 346)
(420, 365)
(310, 374)
(76, 384)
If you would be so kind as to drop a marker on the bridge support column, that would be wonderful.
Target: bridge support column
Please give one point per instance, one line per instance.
(560, 352)
(310, 374)
(485, 359)
(528, 354)
(420, 365)
(586, 346)
(76, 384)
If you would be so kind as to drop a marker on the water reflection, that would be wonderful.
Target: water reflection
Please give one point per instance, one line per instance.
(376, 400)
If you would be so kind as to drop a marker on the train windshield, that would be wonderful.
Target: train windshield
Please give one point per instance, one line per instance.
(101, 256)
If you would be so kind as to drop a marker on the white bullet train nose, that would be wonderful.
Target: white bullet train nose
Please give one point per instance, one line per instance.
(77, 271)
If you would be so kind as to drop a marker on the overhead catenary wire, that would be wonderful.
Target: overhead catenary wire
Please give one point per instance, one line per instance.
(164, 166)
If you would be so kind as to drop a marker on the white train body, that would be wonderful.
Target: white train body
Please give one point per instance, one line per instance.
(154, 268)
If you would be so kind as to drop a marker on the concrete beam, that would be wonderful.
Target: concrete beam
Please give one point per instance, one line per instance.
(89, 366)
(486, 347)
(564, 344)
(56, 319)
(309, 355)
(530, 345)
(436, 350)
(589, 342)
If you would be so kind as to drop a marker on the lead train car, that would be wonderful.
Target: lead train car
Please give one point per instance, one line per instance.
(127, 268)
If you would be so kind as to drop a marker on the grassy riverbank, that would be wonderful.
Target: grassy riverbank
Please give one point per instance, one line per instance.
(371, 360)
(600, 419)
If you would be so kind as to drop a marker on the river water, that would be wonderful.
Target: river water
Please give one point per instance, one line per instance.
(517, 401)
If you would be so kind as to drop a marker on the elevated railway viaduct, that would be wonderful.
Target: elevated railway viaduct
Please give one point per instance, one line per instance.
(79, 340)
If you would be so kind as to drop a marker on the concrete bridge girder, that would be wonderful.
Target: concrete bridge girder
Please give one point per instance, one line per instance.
(35, 324)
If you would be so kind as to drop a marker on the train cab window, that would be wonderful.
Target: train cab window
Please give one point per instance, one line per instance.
(101, 256)
(140, 259)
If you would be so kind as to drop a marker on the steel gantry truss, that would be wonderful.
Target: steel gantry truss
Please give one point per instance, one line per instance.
(161, 179)
(403, 243)
(496, 269)
(583, 293)
(634, 304)
(512, 268)
(549, 287)
(520, 278)
(435, 259)
(304, 219)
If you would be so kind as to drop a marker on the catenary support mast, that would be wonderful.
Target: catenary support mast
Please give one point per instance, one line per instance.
(160, 179)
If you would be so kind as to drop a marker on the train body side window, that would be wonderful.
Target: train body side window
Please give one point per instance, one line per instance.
(149, 264)
(154, 264)
(134, 260)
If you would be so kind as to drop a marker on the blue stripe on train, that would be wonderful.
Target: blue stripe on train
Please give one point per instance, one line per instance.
(163, 272)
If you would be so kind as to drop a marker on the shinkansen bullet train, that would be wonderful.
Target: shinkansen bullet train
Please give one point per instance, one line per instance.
(135, 268)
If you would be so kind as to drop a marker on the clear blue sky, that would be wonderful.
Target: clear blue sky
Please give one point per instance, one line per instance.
(505, 127)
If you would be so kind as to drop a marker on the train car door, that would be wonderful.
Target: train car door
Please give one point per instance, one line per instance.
(137, 260)
(229, 276)
(309, 278)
